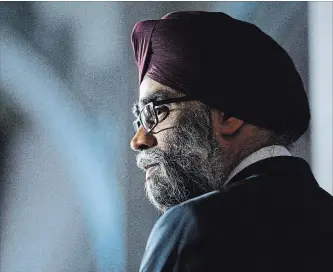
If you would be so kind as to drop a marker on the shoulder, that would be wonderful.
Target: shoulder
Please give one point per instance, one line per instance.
(189, 210)
(204, 207)
(172, 234)
(181, 233)
(184, 220)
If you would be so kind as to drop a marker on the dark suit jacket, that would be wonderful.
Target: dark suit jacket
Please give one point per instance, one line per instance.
(274, 217)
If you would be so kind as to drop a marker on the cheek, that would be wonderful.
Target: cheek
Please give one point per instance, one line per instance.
(163, 132)
(163, 139)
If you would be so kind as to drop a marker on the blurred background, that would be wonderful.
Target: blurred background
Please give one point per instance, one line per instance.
(71, 196)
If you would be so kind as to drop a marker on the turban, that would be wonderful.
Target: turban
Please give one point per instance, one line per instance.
(227, 64)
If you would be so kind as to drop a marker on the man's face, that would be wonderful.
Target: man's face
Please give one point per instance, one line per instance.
(181, 156)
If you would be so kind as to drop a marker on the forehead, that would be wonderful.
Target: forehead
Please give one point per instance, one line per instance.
(151, 87)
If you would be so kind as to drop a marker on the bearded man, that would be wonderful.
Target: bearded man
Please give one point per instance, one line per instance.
(220, 105)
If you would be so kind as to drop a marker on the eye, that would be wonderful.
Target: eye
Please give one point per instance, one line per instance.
(162, 112)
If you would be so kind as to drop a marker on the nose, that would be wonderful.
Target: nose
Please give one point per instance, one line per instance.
(142, 140)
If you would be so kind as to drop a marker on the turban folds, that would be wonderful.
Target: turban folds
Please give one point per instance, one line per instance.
(227, 64)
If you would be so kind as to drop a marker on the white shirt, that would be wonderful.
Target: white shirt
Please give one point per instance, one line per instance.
(261, 154)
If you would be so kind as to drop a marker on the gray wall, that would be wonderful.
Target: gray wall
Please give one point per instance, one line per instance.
(70, 73)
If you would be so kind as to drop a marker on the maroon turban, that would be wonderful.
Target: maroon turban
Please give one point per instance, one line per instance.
(227, 64)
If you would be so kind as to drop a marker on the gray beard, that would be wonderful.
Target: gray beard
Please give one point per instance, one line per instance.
(194, 163)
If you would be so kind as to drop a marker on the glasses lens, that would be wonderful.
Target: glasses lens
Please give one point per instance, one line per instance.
(148, 117)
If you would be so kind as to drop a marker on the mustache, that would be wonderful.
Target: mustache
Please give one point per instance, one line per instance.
(149, 157)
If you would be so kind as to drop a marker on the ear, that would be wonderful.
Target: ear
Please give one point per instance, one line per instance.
(230, 126)
(225, 125)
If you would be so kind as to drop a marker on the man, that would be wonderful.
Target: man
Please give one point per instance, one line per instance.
(220, 104)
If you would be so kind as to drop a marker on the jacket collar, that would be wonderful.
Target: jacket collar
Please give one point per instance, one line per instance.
(285, 167)
(261, 154)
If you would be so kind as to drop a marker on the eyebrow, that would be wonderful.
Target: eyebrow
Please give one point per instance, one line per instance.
(135, 110)
(158, 94)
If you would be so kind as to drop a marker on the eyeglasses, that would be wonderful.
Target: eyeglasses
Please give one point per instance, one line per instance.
(155, 112)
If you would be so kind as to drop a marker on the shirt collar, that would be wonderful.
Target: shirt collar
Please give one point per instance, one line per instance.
(261, 154)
